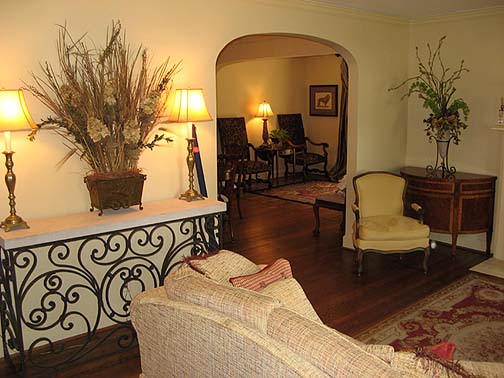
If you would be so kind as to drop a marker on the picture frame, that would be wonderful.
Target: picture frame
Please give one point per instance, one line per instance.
(324, 100)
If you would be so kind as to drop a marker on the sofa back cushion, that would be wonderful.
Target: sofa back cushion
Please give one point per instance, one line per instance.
(244, 305)
(178, 339)
(325, 348)
(223, 265)
(292, 296)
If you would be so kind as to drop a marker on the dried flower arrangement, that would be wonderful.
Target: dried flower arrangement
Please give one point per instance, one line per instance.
(106, 102)
(435, 86)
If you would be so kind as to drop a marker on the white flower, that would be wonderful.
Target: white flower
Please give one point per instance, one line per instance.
(131, 132)
(97, 130)
(149, 105)
(108, 94)
(69, 94)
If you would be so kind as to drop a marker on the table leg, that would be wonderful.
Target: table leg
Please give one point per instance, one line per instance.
(316, 212)
(276, 165)
(488, 241)
(454, 244)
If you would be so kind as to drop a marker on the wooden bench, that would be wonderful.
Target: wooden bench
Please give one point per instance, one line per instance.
(333, 201)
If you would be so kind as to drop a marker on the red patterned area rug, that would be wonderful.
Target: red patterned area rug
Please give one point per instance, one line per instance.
(304, 192)
(469, 313)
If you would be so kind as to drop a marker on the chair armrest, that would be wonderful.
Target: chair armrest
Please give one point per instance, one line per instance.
(419, 211)
(256, 155)
(355, 209)
(250, 145)
(324, 145)
(289, 142)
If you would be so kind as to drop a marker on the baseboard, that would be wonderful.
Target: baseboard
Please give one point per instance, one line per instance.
(462, 248)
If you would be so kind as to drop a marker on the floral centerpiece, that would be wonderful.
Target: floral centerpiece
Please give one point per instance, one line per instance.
(434, 84)
(106, 102)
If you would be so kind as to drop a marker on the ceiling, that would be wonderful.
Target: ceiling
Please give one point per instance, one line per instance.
(413, 9)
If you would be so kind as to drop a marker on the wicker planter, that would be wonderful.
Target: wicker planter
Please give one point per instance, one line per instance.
(115, 192)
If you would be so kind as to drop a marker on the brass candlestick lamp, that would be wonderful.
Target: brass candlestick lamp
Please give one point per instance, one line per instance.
(14, 116)
(264, 111)
(189, 107)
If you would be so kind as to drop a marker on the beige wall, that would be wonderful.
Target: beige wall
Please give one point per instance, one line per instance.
(196, 33)
(284, 83)
(478, 40)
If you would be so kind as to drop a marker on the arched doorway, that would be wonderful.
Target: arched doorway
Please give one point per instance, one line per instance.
(279, 68)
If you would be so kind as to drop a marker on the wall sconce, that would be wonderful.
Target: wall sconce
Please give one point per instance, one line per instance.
(264, 111)
(189, 107)
(14, 116)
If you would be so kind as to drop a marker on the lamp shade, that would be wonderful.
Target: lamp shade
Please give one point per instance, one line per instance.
(264, 110)
(14, 115)
(189, 106)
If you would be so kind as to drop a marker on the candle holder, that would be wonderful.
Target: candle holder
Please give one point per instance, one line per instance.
(14, 116)
(189, 106)
(13, 220)
(191, 193)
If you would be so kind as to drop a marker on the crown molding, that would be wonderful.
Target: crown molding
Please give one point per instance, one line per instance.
(318, 6)
(462, 15)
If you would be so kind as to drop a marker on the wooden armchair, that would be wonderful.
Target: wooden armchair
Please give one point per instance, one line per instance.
(226, 173)
(293, 124)
(235, 146)
(380, 222)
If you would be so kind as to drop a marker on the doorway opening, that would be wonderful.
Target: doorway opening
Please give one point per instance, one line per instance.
(280, 69)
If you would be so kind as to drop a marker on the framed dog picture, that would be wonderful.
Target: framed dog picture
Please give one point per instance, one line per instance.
(324, 100)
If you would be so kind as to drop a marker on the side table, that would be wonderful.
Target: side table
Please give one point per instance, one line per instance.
(272, 153)
(333, 201)
(66, 283)
(462, 203)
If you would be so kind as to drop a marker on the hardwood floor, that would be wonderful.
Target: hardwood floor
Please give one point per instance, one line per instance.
(273, 228)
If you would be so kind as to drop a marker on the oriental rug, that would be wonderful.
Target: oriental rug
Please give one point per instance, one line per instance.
(469, 313)
(304, 192)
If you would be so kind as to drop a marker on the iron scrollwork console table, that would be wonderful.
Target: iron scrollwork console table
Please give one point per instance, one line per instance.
(67, 282)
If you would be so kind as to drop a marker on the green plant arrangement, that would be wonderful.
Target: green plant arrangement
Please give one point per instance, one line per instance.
(434, 84)
(106, 101)
(278, 135)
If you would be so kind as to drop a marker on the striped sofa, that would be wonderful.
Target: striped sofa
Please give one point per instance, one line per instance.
(199, 325)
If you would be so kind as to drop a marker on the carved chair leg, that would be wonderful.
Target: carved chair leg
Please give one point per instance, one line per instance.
(360, 258)
(238, 202)
(231, 231)
(426, 260)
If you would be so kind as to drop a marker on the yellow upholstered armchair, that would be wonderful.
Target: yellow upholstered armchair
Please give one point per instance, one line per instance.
(380, 222)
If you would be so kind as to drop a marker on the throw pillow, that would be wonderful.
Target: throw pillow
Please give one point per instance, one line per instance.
(222, 265)
(278, 270)
(444, 350)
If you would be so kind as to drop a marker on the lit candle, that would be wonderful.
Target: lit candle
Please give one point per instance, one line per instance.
(7, 135)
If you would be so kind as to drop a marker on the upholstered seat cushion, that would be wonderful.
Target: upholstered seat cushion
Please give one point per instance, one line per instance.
(255, 166)
(308, 158)
(391, 227)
